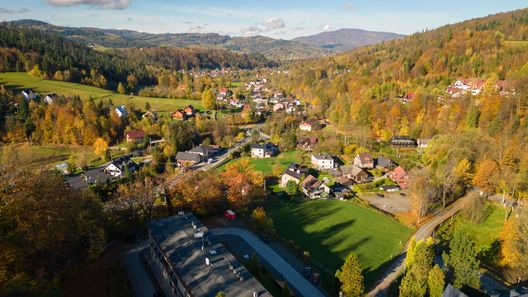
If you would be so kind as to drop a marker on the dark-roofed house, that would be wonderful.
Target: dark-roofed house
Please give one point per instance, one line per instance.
(295, 173)
(403, 141)
(179, 115)
(346, 182)
(354, 173)
(135, 136)
(185, 159)
(119, 166)
(187, 260)
(121, 111)
(323, 161)
(261, 151)
(307, 143)
(364, 161)
(29, 94)
(204, 151)
(384, 163)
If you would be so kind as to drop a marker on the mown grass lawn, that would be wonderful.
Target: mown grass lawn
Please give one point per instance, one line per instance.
(21, 80)
(266, 165)
(329, 230)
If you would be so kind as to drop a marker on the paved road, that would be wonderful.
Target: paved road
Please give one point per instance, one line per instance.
(292, 276)
(425, 231)
(136, 271)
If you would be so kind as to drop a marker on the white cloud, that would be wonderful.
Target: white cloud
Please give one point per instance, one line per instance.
(325, 27)
(106, 4)
(269, 24)
(250, 30)
(274, 23)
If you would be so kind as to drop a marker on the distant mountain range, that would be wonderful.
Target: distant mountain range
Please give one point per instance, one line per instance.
(276, 49)
(345, 39)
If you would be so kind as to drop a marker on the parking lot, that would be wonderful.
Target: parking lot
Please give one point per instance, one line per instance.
(390, 202)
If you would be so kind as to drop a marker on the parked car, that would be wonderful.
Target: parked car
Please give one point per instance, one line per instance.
(380, 195)
(315, 278)
(230, 215)
(210, 160)
(403, 194)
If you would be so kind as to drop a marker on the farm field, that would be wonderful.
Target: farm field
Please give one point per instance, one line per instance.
(330, 229)
(266, 165)
(21, 80)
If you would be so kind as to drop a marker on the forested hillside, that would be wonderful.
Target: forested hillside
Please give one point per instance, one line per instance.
(276, 49)
(48, 55)
(22, 49)
(361, 87)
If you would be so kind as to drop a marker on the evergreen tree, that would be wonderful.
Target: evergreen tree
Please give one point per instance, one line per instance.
(352, 282)
(461, 262)
(436, 282)
(414, 282)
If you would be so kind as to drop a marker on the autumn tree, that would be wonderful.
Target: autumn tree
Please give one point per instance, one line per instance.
(243, 184)
(514, 247)
(121, 89)
(101, 148)
(262, 220)
(350, 277)
(208, 99)
(486, 175)
(198, 191)
(42, 216)
(461, 261)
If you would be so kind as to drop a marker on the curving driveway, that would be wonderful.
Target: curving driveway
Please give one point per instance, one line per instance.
(292, 276)
(425, 231)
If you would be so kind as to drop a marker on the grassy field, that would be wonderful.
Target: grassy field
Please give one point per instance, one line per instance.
(45, 156)
(487, 232)
(20, 80)
(266, 165)
(330, 230)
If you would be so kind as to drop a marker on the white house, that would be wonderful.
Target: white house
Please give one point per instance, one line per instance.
(323, 161)
(29, 94)
(118, 167)
(294, 173)
(262, 150)
(50, 98)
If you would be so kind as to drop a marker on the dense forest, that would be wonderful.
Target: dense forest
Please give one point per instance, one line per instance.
(196, 58)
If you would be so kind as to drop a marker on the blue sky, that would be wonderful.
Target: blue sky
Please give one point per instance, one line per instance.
(279, 19)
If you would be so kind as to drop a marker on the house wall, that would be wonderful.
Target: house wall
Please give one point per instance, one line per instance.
(286, 178)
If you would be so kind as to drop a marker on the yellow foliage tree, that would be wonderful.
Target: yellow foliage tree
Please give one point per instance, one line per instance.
(101, 148)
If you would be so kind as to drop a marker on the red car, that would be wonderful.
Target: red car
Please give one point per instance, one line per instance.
(230, 215)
